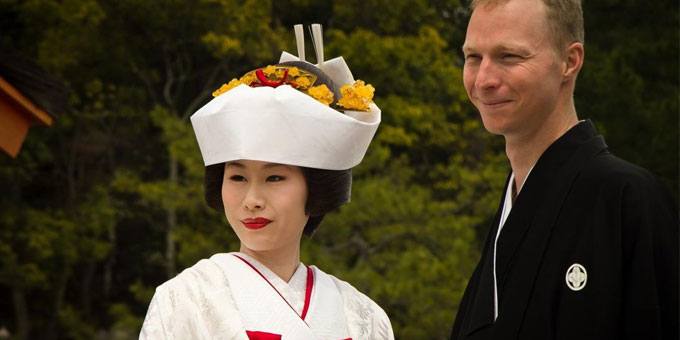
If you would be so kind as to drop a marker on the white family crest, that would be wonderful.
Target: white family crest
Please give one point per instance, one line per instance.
(576, 277)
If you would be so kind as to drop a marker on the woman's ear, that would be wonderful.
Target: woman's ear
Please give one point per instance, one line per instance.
(573, 61)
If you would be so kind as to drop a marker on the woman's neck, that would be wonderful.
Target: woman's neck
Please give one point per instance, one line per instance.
(283, 262)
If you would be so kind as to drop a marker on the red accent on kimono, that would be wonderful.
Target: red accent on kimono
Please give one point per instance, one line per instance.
(255, 335)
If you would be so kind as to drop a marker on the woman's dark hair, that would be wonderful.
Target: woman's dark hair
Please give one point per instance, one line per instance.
(327, 190)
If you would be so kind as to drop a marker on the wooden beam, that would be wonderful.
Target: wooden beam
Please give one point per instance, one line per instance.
(13, 125)
(35, 113)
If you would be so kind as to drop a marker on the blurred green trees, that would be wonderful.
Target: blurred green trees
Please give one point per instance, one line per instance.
(107, 204)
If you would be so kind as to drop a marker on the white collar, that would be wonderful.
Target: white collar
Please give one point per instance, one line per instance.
(293, 290)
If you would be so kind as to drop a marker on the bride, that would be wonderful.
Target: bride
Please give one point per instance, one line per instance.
(279, 144)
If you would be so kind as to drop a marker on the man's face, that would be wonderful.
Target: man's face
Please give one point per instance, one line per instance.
(512, 72)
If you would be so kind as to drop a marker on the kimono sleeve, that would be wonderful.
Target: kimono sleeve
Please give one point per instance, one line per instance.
(196, 304)
(382, 327)
(650, 249)
(366, 319)
(153, 327)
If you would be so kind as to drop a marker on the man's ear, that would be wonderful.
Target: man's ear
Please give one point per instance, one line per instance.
(573, 60)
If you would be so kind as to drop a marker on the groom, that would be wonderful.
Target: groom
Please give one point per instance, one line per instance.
(584, 244)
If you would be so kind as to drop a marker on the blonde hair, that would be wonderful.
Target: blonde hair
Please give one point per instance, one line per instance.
(565, 18)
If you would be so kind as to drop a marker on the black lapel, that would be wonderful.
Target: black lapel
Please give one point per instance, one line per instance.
(540, 189)
(480, 313)
(532, 217)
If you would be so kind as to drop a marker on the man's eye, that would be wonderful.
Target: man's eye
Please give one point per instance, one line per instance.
(275, 178)
(510, 57)
(237, 178)
(472, 57)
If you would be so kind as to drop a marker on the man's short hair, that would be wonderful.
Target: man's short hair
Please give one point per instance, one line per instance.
(565, 18)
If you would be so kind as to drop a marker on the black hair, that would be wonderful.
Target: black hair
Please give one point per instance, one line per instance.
(327, 190)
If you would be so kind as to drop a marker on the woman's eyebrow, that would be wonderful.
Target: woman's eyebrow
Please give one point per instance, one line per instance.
(236, 164)
(275, 165)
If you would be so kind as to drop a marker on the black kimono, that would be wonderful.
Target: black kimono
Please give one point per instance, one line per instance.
(580, 206)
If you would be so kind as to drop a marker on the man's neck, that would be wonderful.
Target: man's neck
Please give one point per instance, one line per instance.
(523, 151)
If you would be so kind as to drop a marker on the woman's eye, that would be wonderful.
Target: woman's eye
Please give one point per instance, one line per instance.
(275, 178)
(237, 178)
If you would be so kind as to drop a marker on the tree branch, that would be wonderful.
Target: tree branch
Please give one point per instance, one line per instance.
(145, 79)
(207, 89)
(169, 80)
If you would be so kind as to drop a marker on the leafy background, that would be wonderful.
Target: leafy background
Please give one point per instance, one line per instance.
(107, 204)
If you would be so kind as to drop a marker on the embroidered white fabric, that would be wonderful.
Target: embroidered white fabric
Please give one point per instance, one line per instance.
(198, 304)
(293, 291)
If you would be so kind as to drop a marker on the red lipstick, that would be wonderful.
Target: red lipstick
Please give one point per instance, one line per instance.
(255, 223)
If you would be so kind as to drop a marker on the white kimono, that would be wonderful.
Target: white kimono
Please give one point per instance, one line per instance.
(232, 296)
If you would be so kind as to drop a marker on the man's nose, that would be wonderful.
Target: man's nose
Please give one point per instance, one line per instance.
(487, 75)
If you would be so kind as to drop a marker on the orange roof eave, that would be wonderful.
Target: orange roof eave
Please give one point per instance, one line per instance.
(33, 111)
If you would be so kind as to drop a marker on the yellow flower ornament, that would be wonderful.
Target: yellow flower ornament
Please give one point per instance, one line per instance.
(356, 96)
(322, 94)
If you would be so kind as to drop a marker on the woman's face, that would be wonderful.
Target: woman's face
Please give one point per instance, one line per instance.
(265, 204)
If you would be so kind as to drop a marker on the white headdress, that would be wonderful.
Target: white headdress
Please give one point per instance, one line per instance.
(285, 125)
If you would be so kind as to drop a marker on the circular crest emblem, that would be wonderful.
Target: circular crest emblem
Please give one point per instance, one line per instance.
(576, 277)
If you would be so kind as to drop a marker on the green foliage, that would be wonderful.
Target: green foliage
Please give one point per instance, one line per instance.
(125, 322)
(629, 83)
(74, 325)
(398, 244)
(91, 204)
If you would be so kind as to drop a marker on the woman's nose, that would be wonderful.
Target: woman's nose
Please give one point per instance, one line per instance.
(254, 199)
